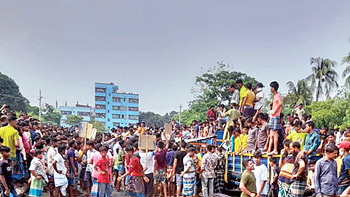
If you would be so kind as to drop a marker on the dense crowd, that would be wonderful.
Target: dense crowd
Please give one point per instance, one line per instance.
(303, 161)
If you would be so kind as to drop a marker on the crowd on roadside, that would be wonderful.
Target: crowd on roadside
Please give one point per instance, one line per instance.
(303, 161)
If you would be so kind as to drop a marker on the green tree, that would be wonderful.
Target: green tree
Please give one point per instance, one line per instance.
(153, 119)
(212, 89)
(73, 120)
(323, 78)
(97, 125)
(50, 116)
(329, 113)
(10, 94)
(300, 93)
(346, 72)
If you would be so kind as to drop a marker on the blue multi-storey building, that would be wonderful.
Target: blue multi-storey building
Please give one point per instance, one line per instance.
(115, 108)
(84, 111)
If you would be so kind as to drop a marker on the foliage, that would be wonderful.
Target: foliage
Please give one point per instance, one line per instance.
(10, 94)
(333, 113)
(301, 93)
(50, 116)
(323, 78)
(32, 110)
(97, 125)
(211, 90)
(73, 120)
(346, 72)
(153, 119)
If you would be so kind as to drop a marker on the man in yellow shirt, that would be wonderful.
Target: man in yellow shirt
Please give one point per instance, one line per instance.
(242, 90)
(10, 136)
(142, 129)
(298, 136)
(247, 105)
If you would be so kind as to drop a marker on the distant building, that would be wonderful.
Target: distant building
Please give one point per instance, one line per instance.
(115, 108)
(84, 111)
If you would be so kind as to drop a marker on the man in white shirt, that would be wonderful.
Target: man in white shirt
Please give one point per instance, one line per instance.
(259, 96)
(235, 95)
(260, 173)
(299, 111)
(51, 153)
(89, 167)
(146, 160)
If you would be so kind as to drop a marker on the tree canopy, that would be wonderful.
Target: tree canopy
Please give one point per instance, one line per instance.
(211, 90)
(74, 120)
(153, 119)
(11, 95)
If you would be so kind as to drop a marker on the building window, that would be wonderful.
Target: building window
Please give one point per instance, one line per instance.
(133, 109)
(120, 108)
(132, 100)
(100, 106)
(108, 111)
(66, 113)
(109, 120)
(100, 115)
(101, 90)
(117, 99)
(100, 98)
(133, 117)
(109, 94)
(116, 116)
(116, 124)
(80, 113)
(123, 116)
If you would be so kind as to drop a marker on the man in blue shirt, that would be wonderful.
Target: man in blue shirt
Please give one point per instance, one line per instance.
(312, 140)
(326, 181)
(343, 180)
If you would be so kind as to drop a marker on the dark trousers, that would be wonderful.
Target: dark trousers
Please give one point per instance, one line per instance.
(149, 185)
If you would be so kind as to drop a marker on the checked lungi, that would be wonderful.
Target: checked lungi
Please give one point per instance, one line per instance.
(297, 189)
(188, 186)
(135, 187)
(219, 182)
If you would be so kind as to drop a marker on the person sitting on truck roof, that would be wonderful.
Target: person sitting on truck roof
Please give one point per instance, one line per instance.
(298, 136)
(248, 181)
(252, 135)
(312, 141)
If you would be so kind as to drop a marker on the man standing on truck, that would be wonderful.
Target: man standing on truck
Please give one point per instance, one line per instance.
(248, 181)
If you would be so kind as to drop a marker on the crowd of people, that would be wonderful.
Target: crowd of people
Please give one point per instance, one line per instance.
(303, 161)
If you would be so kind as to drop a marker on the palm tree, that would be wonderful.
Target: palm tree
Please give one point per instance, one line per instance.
(323, 78)
(300, 93)
(346, 60)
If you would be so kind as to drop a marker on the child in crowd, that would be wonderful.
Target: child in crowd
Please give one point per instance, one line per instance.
(135, 187)
(189, 173)
(39, 177)
(310, 183)
(103, 166)
(7, 185)
(60, 167)
(274, 177)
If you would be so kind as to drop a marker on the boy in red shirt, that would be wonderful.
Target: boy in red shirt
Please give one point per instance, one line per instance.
(135, 187)
(103, 166)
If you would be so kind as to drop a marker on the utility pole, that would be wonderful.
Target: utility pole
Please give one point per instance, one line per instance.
(180, 114)
(40, 97)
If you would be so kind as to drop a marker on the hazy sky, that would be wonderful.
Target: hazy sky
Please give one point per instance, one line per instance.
(157, 48)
